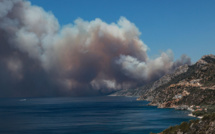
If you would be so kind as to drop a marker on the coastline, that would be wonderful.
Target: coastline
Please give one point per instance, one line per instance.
(191, 115)
(190, 109)
(175, 107)
(112, 114)
(179, 107)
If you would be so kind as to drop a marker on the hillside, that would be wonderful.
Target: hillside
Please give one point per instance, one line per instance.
(133, 92)
(204, 126)
(193, 89)
(187, 88)
(151, 86)
(194, 86)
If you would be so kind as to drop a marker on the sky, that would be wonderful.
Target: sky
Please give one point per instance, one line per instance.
(83, 48)
(184, 26)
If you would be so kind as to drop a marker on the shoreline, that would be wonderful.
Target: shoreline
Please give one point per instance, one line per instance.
(157, 105)
(191, 115)
(176, 107)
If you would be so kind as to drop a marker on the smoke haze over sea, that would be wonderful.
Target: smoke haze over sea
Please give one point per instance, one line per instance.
(38, 57)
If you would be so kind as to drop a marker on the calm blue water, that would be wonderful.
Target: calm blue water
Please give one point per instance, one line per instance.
(93, 115)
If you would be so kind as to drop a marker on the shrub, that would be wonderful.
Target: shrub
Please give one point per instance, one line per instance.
(184, 127)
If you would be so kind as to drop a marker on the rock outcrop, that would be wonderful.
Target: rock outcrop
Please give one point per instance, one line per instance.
(191, 88)
(188, 85)
(188, 88)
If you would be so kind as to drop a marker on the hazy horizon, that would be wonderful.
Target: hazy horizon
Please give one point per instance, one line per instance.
(63, 49)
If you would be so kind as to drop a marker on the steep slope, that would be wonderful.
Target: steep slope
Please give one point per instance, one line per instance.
(204, 126)
(193, 89)
(194, 86)
(133, 92)
(152, 86)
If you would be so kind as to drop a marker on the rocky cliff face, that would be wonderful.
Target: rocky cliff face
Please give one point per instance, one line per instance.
(188, 85)
(163, 81)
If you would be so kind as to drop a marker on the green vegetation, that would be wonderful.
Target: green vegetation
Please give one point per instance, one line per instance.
(183, 127)
(192, 125)
(199, 113)
(210, 117)
(197, 87)
(210, 109)
(198, 97)
(171, 130)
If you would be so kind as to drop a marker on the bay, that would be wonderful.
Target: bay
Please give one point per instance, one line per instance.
(87, 115)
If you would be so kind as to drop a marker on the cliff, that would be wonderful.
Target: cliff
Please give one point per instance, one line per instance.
(194, 85)
(188, 88)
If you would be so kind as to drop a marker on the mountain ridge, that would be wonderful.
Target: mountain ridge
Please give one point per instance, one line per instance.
(193, 90)
(184, 87)
(189, 87)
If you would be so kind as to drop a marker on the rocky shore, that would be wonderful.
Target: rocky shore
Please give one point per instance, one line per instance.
(187, 88)
(193, 90)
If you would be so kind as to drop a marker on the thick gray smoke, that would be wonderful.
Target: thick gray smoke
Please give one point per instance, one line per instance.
(38, 58)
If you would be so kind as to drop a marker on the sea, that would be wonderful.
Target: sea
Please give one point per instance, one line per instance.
(85, 115)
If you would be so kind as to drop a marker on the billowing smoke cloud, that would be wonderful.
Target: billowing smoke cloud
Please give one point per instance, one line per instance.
(38, 58)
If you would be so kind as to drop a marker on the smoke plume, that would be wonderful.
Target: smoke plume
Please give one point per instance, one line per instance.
(40, 58)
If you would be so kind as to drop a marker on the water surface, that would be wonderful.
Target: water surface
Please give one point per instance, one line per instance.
(91, 115)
